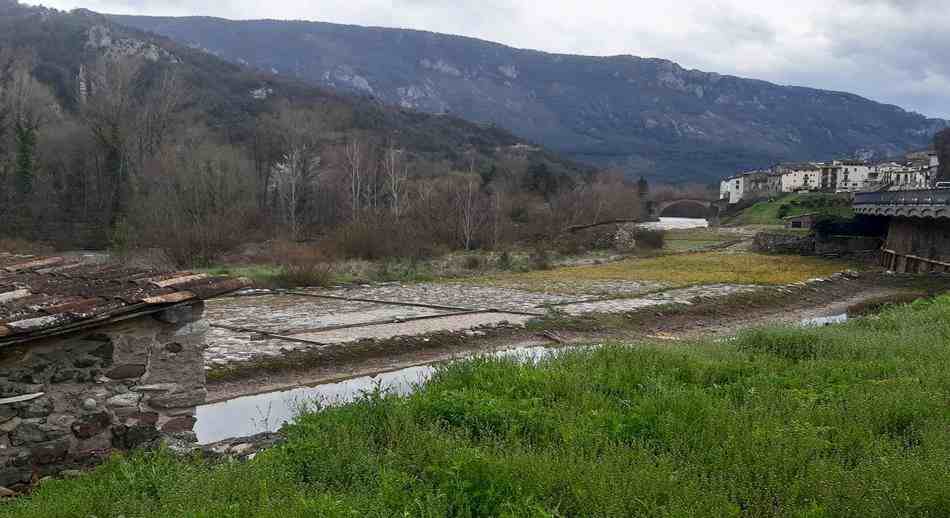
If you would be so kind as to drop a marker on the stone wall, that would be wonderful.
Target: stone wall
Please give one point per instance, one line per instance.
(779, 243)
(67, 402)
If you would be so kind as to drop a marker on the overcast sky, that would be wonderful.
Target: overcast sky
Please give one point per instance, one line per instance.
(894, 51)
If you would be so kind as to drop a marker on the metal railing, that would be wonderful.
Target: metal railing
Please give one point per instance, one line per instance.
(922, 197)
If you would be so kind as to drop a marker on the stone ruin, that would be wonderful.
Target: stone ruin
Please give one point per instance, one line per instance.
(96, 359)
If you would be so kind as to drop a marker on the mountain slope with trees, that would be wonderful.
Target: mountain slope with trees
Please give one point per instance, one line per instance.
(648, 116)
(112, 136)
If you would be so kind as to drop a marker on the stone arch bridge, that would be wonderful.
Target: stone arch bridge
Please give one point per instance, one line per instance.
(656, 209)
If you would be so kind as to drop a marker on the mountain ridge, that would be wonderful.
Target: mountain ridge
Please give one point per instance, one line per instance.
(648, 116)
(61, 42)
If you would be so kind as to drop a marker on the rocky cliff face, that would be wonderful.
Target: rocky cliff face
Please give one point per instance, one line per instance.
(649, 116)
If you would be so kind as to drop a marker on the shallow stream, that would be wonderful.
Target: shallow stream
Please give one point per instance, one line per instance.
(268, 412)
(249, 415)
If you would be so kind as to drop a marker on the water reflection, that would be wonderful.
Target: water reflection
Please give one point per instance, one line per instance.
(825, 321)
(250, 415)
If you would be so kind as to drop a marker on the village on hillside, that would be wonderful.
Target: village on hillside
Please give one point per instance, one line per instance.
(918, 170)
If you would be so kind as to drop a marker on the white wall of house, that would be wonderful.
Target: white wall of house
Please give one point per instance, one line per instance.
(852, 177)
(732, 189)
(800, 180)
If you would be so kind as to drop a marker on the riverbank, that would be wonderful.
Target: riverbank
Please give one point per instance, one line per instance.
(258, 336)
(713, 317)
(831, 421)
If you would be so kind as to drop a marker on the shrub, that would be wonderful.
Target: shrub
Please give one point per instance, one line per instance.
(381, 238)
(504, 261)
(650, 239)
(783, 211)
(573, 243)
(472, 262)
(300, 264)
(299, 275)
(401, 270)
(540, 258)
(22, 246)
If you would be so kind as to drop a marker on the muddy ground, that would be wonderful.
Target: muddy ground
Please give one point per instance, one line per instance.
(718, 314)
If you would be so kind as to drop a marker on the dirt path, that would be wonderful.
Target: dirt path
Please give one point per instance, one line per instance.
(716, 317)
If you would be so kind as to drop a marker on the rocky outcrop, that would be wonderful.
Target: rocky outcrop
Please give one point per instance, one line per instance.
(100, 38)
(65, 403)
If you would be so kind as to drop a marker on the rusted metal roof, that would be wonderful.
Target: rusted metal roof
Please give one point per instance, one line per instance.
(43, 296)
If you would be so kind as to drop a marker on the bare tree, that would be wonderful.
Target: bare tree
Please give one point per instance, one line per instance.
(111, 114)
(470, 210)
(396, 172)
(292, 177)
(156, 114)
(355, 163)
(497, 218)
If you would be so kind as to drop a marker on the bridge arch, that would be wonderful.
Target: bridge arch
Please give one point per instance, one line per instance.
(710, 209)
(663, 206)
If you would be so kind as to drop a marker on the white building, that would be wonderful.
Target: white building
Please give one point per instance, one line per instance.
(918, 173)
(854, 176)
(732, 189)
(800, 177)
(909, 179)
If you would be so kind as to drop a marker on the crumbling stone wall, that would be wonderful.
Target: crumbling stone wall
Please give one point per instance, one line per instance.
(67, 402)
(778, 243)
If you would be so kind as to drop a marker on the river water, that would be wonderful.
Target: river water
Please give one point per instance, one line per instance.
(676, 224)
(249, 415)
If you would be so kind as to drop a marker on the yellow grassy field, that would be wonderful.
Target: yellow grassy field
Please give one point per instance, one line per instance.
(683, 269)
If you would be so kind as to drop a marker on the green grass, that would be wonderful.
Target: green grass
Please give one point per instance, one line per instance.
(276, 276)
(676, 270)
(260, 274)
(848, 420)
(694, 239)
(772, 212)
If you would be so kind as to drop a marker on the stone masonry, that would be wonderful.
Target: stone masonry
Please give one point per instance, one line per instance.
(67, 402)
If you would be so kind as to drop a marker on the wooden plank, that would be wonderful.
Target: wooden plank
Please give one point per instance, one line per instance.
(14, 295)
(60, 268)
(218, 286)
(117, 315)
(174, 281)
(34, 324)
(925, 260)
(916, 258)
(40, 263)
(76, 305)
(171, 298)
(21, 399)
(5, 331)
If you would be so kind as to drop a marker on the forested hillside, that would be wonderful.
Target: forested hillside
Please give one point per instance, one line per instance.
(110, 136)
(648, 116)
